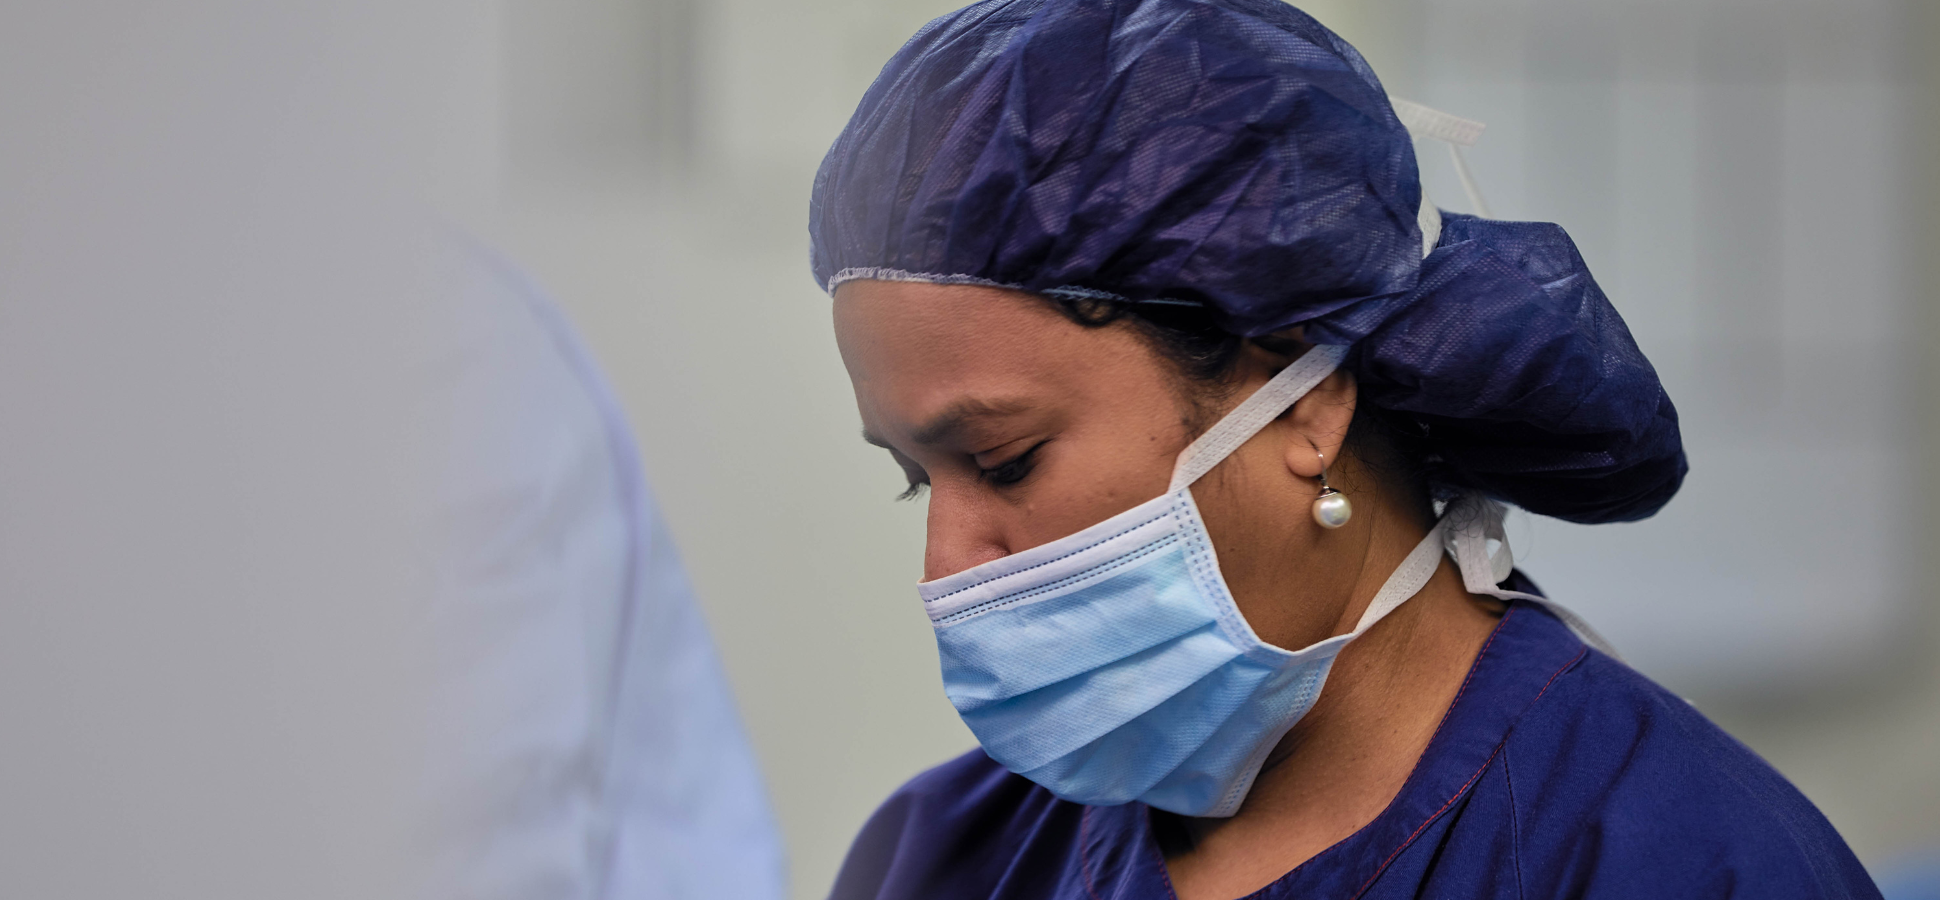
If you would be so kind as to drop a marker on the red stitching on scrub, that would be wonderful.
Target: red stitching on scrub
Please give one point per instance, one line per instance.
(1165, 877)
(1084, 860)
(1478, 664)
(1559, 673)
(1472, 778)
(1427, 822)
(1515, 827)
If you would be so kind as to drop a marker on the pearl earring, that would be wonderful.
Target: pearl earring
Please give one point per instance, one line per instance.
(1331, 508)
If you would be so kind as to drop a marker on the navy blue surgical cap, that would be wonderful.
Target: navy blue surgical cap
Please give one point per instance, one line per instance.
(1237, 155)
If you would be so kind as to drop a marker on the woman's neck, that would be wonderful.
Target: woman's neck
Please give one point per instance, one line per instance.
(1342, 764)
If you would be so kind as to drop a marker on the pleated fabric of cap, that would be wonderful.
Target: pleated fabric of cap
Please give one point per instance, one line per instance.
(1236, 155)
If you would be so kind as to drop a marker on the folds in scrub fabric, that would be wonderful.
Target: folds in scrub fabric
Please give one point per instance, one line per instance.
(1236, 155)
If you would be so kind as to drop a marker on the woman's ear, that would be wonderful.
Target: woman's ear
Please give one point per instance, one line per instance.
(1319, 423)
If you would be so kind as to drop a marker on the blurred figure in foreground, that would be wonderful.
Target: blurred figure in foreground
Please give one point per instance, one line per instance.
(587, 745)
(284, 480)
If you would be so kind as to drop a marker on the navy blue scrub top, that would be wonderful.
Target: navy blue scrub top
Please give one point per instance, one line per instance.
(1557, 772)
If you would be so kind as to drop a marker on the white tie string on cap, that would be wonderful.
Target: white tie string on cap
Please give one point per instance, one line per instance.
(1473, 521)
(1456, 132)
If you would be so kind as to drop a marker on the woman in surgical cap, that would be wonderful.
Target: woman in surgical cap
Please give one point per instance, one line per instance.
(1218, 420)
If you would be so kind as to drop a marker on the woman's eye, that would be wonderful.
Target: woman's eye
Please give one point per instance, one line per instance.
(1015, 470)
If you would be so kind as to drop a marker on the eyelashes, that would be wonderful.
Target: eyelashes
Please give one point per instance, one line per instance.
(1015, 470)
(1003, 474)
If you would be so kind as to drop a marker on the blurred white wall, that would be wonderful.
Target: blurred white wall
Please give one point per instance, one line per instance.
(652, 163)
(210, 564)
(1733, 173)
(204, 586)
(1748, 182)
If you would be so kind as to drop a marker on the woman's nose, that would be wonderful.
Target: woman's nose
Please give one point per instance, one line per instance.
(960, 537)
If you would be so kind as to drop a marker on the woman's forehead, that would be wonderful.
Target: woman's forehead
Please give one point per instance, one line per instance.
(932, 360)
(907, 330)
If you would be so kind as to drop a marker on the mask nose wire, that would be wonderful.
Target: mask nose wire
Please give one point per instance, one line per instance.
(1253, 413)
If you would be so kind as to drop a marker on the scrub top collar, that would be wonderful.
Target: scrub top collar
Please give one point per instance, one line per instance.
(1525, 654)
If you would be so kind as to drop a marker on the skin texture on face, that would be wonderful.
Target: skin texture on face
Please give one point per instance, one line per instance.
(1027, 427)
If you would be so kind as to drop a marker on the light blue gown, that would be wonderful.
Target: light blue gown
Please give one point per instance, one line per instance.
(585, 741)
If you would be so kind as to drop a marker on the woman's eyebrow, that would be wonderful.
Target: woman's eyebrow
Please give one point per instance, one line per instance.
(952, 421)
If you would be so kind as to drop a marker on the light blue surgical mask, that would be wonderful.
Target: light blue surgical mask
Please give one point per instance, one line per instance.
(1112, 665)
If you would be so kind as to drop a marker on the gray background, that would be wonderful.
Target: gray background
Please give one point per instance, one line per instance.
(206, 583)
(1741, 177)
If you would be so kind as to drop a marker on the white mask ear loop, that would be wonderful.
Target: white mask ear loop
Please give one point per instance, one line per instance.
(1291, 383)
(1456, 132)
(1253, 414)
(1471, 521)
